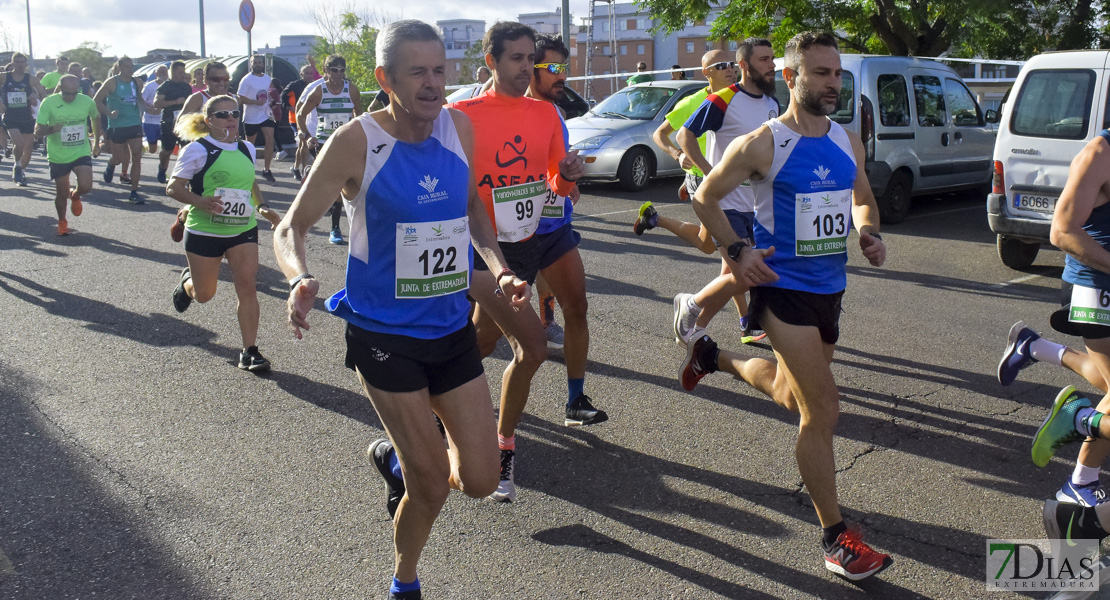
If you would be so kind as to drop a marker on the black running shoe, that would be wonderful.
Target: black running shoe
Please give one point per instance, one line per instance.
(379, 452)
(19, 177)
(268, 176)
(252, 360)
(701, 360)
(296, 173)
(646, 219)
(581, 412)
(181, 298)
(413, 595)
(109, 171)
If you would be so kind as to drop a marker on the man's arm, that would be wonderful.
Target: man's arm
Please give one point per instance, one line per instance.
(708, 117)
(746, 157)
(101, 94)
(563, 168)
(356, 97)
(338, 169)
(482, 234)
(1085, 189)
(304, 109)
(865, 212)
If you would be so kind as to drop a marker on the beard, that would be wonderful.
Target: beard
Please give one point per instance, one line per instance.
(767, 86)
(812, 103)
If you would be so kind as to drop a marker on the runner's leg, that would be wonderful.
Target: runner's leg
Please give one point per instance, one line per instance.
(243, 260)
(61, 196)
(268, 150)
(567, 278)
(1093, 453)
(204, 274)
(135, 149)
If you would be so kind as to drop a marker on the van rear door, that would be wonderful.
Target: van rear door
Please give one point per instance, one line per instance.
(970, 135)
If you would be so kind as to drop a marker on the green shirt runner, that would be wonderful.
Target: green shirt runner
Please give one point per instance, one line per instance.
(682, 111)
(72, 142)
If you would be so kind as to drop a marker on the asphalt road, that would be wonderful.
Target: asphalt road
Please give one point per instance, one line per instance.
(136, 461)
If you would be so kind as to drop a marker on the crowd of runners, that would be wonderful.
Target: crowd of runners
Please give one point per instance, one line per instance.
(456, 212)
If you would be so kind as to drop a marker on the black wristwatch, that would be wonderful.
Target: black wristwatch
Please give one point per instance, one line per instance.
(299, 278)
(735, 248)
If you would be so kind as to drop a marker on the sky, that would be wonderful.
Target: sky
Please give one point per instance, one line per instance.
(134, 27)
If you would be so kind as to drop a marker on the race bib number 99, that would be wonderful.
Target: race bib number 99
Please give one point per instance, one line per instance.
(237, 207)
(553, 205)
(517, 209)
(1089, 305)
(821, 222)
(433, 258)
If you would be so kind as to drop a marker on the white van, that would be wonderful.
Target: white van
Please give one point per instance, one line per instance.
(1057, 104)
(922, 128)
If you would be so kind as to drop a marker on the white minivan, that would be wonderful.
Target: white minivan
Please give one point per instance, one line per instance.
(922, 128)
(1057, 104)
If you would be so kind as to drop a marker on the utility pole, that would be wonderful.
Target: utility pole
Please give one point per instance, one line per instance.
(30, 51)
(566, 23)
(202, 53)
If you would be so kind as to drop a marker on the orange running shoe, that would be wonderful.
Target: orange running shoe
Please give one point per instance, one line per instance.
(75, 203)
(63, 228)
(852, 559)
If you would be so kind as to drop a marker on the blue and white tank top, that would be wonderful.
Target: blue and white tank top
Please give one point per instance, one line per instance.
(409, 265)
(1098, 227)
(557, 210)
(803, 207)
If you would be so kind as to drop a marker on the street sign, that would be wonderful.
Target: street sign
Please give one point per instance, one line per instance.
(246, 15)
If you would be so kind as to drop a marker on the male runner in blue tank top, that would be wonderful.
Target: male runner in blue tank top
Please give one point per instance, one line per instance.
(810, 185)
(406, 179)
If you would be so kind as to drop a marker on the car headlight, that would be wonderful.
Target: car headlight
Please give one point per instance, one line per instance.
(592, 143)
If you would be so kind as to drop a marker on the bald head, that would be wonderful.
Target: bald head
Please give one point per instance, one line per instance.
(718, 78)
(69, 86)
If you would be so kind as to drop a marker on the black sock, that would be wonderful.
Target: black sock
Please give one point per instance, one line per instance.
(829, 534)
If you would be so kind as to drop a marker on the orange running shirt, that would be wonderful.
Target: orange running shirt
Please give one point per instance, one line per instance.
(518, 143)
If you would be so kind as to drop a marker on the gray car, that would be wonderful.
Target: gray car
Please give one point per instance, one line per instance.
(614, 138)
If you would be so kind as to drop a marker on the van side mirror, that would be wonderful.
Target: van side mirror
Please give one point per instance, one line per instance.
(992, 116)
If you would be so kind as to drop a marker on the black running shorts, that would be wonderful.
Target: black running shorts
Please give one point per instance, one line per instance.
(252, 130)
(401, 364)
(64, 169)
(794, 307)
(1059, 319)
(215, 247)
(120, 135)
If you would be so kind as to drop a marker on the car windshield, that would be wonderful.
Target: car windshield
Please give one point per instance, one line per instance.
(461, 94)
(637, 102)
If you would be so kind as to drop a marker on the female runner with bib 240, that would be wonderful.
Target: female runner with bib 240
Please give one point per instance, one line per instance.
(214, 175)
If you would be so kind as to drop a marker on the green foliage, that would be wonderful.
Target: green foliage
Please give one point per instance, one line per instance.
(89, 54)
(473, 59)
(354, 39)
(994, 28)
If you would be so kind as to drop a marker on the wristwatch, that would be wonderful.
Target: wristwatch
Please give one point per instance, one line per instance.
(735, 248)
(299, 278)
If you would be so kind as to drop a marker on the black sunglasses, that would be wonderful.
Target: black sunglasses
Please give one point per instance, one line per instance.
(226, 114)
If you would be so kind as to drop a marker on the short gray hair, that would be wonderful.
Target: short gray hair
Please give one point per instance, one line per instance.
(397, 33)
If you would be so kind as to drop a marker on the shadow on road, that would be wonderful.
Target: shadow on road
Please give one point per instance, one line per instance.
(62, 532)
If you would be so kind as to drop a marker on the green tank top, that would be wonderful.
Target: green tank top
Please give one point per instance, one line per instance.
(230, 174)
(124, 100)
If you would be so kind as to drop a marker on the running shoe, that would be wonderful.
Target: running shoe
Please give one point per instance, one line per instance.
(1090, 494)
(647, 219)
(124, 178)
(181, 298)
(252, 360)
(75, 205)
(18, 176)
(8, 152)
(683, 193)
(336, 237)
(161, 175)
(506, 486)
(1017, 355)
(63, 228)
(1058, 427)
(701, 360)
(281, 155)
(177, 230)
(378, 453)
(134, 198)
(581, 412)
(1067, 521)
(269, 176)
(685, 319)
(109, 171)
(853, 559)
(296, 173)
(413, 595)
(748, 333)
(554, 335)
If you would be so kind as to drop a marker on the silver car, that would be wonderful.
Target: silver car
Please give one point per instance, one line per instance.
(614, 138)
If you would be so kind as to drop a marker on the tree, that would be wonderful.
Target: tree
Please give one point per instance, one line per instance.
(903, 27)
(91, 55)
(352, 32)
(473, 59)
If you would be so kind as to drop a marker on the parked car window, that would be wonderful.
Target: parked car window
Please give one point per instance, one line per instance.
(929, 97)
(894, 101)
(845, 105)
(1054, 103)
(636, 102)
(961, 104)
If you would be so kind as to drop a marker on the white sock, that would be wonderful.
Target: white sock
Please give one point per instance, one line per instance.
(693, 306)
(1047, 351)
(1081, 424)
(1082, 475)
